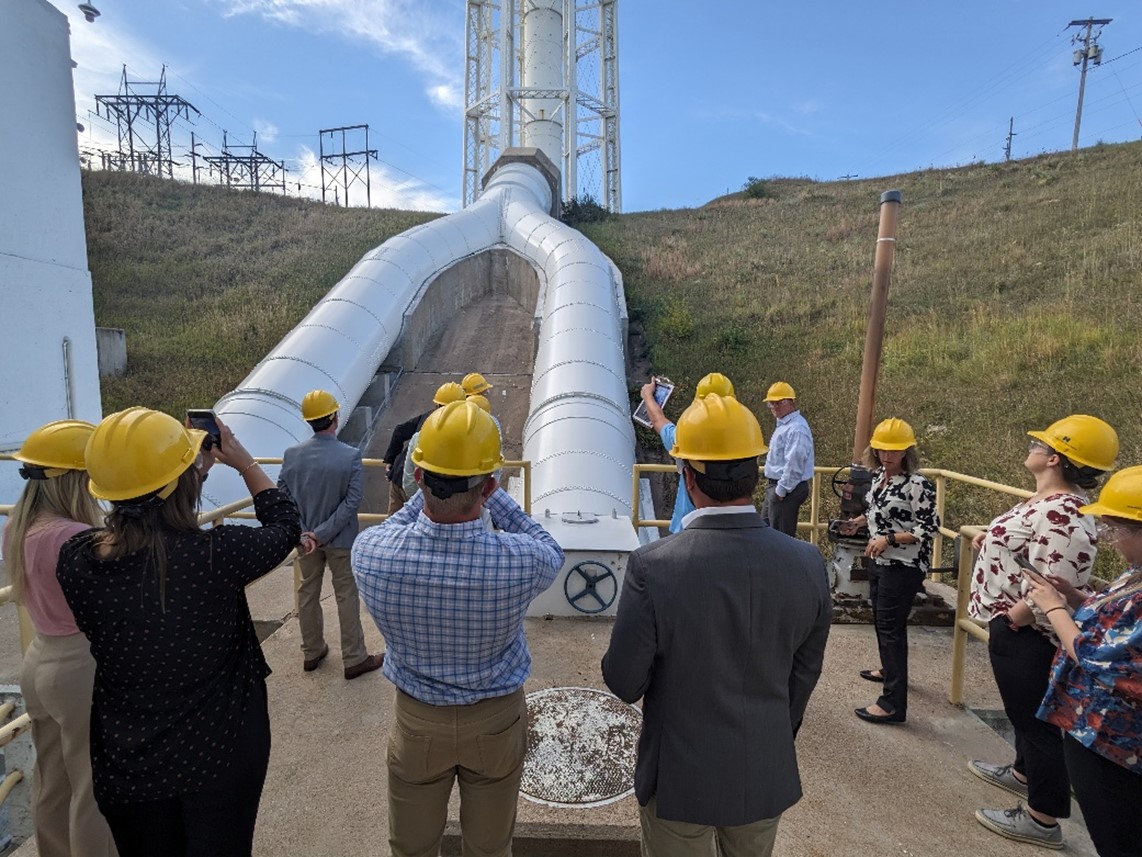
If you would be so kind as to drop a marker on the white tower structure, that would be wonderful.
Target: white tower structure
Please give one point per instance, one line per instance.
(49, 370)
(545, 74)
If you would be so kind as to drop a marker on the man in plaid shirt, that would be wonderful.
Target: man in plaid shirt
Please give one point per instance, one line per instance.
(450, 598)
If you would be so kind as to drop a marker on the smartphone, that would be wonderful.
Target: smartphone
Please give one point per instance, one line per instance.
(206, 421)
(663, 387)
(1026, 565)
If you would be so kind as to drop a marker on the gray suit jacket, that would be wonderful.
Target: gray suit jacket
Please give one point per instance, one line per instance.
(325, 477)
(721, 629)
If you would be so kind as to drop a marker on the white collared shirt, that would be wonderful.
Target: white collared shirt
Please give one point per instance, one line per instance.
(716, 510)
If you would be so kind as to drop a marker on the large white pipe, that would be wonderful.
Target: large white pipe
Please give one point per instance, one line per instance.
(578, 434)
(542, 68)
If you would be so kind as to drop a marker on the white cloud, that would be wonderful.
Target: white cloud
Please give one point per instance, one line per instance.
(267, 131)
(425, 32)
(388, 187)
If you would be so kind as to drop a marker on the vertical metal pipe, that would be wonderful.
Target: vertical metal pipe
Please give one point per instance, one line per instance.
(69, 399)
(878, 307)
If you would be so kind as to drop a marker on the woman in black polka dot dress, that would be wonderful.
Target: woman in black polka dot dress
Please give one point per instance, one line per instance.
(180, 735)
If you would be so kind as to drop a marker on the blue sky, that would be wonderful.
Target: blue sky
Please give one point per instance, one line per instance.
(711, 93)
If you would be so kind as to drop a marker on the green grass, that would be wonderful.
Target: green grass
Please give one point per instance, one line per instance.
(1016, 296)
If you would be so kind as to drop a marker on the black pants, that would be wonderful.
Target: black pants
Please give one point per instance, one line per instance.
(1110, 797)
(216, 822)
(892, 590)
(1021, 661)
(781, 512)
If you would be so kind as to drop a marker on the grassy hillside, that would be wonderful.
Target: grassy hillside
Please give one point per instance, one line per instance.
(1016, 299)
(1016, 296)
(206, 281)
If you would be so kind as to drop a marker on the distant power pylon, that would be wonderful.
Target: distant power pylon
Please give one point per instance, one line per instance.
(1089, 52)
(144, 122)
(1010, 134)
(346, 168)
(245, 168)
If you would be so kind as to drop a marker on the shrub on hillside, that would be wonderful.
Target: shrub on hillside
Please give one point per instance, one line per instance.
(583, 209)
(755, 188)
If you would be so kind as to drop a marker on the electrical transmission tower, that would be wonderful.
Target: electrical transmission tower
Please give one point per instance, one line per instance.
(1089, 52)
(144, 122)
(347, 168)
(245, 168)
(545, 74)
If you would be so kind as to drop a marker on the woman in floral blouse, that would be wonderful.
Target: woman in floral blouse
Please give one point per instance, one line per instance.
(901, 521)
(1096, 683)
(1049, 531)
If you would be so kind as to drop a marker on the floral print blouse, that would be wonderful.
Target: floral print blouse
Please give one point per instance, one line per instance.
(903, 504)
(1098, 697)
(1051, 534)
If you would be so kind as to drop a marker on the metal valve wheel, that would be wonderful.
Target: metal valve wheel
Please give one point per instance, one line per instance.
(591, 583)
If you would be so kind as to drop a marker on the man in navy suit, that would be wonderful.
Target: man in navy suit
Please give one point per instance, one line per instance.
(721, 630)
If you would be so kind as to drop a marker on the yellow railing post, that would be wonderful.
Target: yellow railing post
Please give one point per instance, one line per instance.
(815, 508)
(938, 546)
(635, 506)
(963, 626)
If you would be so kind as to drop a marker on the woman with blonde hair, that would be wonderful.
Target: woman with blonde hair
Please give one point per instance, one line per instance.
(1050, 532)
(902, 522)
(180, 736)
(58, 670)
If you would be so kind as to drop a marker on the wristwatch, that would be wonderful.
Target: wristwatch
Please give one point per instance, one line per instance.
(891, 537)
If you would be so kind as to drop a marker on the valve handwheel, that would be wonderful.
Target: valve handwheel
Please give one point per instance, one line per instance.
(600, 587)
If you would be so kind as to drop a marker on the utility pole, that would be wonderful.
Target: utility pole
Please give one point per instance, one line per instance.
(1010, 134)
(354, 165)
(1090, 51)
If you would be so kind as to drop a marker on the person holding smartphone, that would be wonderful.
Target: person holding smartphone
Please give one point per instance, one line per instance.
(1050, 530)
(1096, 680)
(714, 382)
(180, 727)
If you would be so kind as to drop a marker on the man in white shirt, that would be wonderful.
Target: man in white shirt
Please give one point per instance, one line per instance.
(789, 463)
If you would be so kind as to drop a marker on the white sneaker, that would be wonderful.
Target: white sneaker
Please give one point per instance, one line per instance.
(1018, 824)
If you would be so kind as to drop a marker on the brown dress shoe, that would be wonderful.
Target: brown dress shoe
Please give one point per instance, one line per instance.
(372, 662)
(310, 664)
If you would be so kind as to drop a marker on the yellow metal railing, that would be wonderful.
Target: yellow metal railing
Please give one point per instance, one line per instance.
(963, 626)
(815, 527)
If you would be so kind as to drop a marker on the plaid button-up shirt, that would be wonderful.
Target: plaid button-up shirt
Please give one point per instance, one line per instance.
(451, 598)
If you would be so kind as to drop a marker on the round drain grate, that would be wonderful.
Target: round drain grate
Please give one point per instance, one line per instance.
(581, 747)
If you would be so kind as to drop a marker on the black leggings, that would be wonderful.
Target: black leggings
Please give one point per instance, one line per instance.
(892, 589)
(1109, 796)
(1021, 661)
(216, 822)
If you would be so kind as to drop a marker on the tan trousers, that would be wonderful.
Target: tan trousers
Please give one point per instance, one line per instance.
(397, 496)
(661, 838)
(309, 614)
(430, 747)
(56, 680)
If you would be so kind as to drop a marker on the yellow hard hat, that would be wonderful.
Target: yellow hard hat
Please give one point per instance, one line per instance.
(54, 449)
(717, 428)
(449, 392)
(318, 404)
(1085, 440)
(779, 391)
(474, 382)
(458, 440)
(715, 382)
(138, 451)
(481, 402)
(1121, 496)
(892, 434)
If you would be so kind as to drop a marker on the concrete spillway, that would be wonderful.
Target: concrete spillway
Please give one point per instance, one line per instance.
(387, 310)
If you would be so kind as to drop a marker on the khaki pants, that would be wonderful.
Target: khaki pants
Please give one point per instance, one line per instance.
(309, 614)
(56, 680)
(661, 838)
(397, 496)
(430, 747)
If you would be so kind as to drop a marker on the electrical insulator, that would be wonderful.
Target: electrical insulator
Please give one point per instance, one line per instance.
(1094, 54)
(1077, 57)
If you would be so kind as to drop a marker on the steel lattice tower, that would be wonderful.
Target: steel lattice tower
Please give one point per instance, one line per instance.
(545, 73)
(144, 123)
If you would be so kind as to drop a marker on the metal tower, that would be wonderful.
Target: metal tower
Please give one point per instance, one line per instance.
(545, 73)
(144, 122)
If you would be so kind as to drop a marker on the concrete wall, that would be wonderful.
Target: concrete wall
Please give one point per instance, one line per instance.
(111, 343)
(493, 272)
(50, 367)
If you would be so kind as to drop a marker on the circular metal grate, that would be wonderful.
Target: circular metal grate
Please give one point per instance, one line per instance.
(581, 747)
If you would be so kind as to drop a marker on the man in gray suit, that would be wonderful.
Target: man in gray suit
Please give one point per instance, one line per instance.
(721, 630)
(324, 477)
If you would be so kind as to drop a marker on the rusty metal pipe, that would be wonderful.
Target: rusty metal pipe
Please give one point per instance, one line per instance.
(878, 308)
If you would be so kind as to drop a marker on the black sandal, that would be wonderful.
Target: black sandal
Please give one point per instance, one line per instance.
(870, 675)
